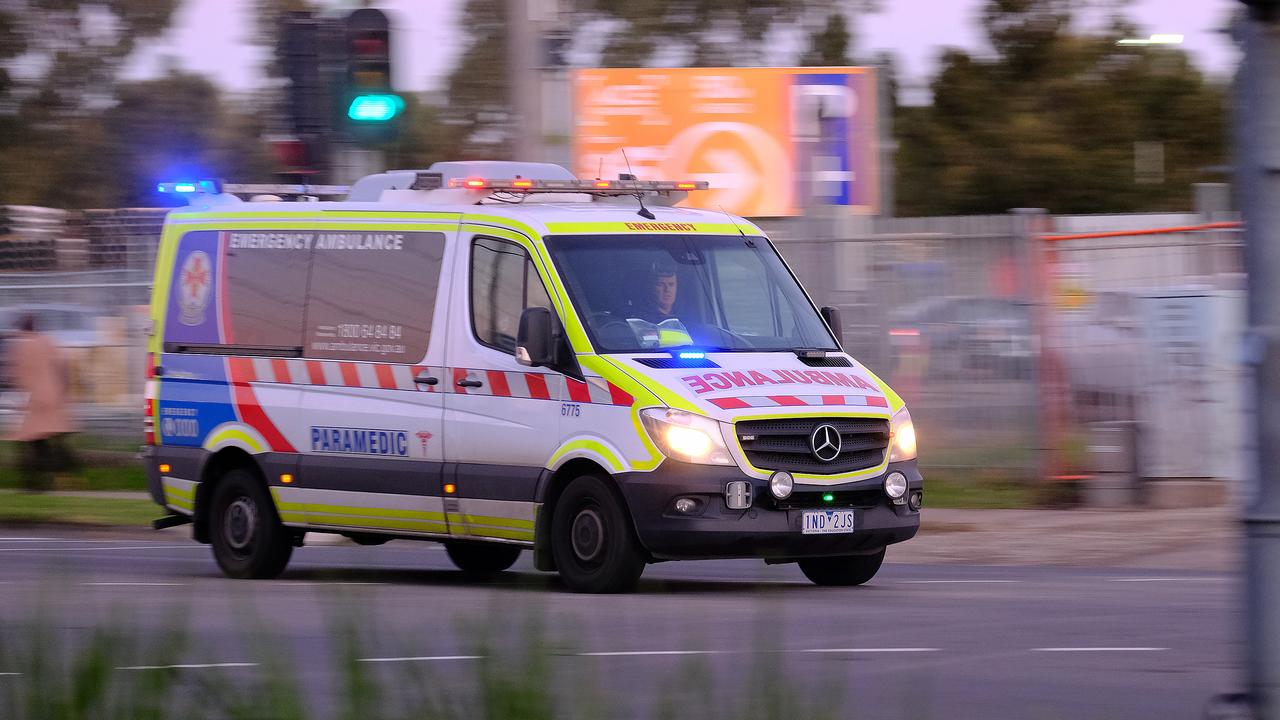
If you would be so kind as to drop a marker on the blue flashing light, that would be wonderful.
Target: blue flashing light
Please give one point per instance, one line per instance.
(375, 108)
(693, 355)
(184, 187)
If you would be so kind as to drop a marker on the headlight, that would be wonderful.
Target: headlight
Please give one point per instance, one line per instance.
(684, 436)
(902, 437)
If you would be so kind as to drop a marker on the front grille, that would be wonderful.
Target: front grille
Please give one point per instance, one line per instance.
(864, 498)
(784, 444)
(828, 361)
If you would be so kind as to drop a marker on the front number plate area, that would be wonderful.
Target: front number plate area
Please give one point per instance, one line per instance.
(826, 522)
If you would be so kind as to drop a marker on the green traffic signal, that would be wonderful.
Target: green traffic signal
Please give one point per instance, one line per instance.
(375, 108)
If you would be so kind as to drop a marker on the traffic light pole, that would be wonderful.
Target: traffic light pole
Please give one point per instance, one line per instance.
(524, 70)
(1257, 166)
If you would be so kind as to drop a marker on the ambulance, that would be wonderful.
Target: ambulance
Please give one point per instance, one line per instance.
(499, 356)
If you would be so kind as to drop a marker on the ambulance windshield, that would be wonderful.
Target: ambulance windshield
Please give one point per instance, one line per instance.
(646, 293)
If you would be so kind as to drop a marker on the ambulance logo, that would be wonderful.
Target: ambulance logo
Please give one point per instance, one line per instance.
(825, 442)
(195, 284)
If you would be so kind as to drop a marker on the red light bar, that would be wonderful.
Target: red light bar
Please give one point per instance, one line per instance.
(621, 187)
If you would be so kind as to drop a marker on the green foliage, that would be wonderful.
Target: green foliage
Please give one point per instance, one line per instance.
(1052, 122)
(829, 47)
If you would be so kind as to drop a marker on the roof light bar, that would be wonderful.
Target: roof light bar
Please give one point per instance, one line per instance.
(588, 186)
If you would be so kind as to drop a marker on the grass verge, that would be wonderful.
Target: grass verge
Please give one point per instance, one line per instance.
(19, 507)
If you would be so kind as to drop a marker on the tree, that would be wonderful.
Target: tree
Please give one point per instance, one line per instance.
(1055, 120)
(829, 47)
(478, 115)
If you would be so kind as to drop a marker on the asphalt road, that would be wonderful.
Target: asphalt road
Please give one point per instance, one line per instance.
(919, 641)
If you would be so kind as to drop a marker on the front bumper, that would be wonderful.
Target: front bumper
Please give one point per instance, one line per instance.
(765, 530)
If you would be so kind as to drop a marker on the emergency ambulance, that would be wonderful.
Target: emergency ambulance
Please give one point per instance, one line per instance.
(500, 356)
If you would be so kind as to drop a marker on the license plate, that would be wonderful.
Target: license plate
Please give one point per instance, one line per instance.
(826, 522)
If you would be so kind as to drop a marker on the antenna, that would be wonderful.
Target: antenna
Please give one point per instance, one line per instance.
(643, 212)
(736, 226)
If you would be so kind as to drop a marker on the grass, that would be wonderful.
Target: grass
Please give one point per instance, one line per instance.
(106, 465)
(20, 507)
(59, 672)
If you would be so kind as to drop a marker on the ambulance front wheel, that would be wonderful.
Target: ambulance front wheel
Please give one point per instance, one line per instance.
(595, 548)
(248, 540)
(482, 558)
(842, 571)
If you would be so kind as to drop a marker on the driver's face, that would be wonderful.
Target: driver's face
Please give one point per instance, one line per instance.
(664, 293)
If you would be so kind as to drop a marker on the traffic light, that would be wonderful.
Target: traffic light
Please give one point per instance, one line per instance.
(372, 108)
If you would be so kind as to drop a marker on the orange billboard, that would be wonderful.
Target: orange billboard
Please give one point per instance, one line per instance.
(770, 141)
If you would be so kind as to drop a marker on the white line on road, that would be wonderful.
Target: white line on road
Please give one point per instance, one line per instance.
(642, 653)
(870, 650)
(309, 583)
(945, 582)
(1099, 649)
(33, 539)
(1165, 579)
(10, 674)
(422, 658)
(134, 584)
(116, 547)
(193, 666)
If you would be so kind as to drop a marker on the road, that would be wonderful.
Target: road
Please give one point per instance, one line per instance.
(920, 641)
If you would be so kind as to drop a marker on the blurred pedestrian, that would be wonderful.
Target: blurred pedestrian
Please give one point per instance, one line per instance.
(37, 369)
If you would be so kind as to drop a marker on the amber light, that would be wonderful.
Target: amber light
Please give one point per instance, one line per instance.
(450, 488)
(286, 478)
(522, 183)
(686, 186)
(474, 183)
(602, 183)
(164, 467)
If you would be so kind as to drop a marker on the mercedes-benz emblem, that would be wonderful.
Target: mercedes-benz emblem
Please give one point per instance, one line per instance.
(825, 442)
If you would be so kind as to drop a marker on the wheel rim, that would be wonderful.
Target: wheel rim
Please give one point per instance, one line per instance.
(240, 523)
(586, 535)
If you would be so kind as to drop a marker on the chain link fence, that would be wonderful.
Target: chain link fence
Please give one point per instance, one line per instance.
(1009, 336)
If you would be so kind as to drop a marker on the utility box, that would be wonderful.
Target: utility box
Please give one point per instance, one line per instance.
(1114, 481)
(1190, 403)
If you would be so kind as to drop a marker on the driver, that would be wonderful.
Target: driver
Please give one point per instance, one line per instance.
(660, 302)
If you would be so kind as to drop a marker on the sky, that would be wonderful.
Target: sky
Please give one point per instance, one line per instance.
(210, 37)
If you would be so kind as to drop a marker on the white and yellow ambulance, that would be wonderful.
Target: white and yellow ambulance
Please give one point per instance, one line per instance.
(499, 356)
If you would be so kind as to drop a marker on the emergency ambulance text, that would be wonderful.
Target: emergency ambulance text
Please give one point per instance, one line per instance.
(710, 382)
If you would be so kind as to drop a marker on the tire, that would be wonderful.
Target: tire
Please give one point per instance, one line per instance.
(594, 545)
(482, 558)
(842, 571)
(248, 540)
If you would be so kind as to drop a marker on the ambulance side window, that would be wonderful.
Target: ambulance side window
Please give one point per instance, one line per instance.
(372, 295)
(504, 282)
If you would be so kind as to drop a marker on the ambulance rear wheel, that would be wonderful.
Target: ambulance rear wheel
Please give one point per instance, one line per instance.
(842, 571)
(247, 538)
(482, 558)
(595, 549)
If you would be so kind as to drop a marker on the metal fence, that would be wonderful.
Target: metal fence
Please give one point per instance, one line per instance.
(1008, 335)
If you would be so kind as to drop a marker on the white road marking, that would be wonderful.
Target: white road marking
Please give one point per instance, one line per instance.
(10, 674)
(422, 658)
(134, 584)
(34, 539)
(870, 650)
(642, 653)
(115, 547)
(946, 582)
(1099, 649)
(309, 583)
(192, 666)
(1165, 579)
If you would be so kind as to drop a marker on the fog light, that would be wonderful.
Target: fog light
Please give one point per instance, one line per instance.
(686, 506)
(780, 484)
(895, 486)
(916, 500)
(737, 495)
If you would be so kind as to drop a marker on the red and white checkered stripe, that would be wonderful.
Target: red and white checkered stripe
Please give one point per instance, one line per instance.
(386, 376)
(759, 401)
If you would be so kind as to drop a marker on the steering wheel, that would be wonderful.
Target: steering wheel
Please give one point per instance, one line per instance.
(609, 326)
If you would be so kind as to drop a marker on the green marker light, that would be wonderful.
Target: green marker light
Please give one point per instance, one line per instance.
(828, 497)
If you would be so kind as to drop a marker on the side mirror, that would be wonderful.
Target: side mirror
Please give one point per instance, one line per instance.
(535, 341)
(832, 316)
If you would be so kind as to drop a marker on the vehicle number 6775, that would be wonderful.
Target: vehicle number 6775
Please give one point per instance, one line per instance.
(570, 410)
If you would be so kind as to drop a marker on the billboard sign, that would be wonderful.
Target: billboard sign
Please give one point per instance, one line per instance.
(771, 141)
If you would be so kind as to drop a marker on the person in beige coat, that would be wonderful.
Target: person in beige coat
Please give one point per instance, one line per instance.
(36, 367)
